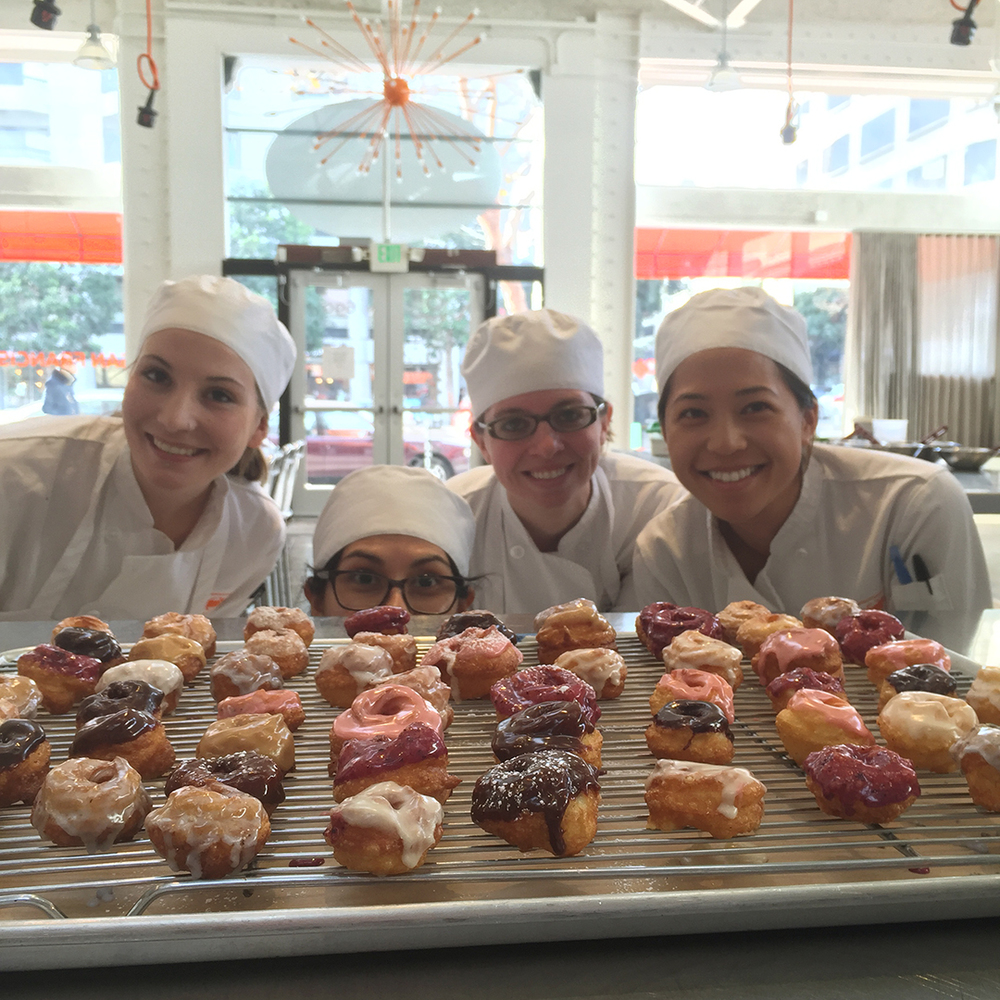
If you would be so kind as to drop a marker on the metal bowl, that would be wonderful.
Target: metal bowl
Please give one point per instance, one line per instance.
(965, 458)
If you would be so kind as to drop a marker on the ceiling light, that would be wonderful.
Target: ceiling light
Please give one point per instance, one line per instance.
(44, 14)
(723, 77)
(964, 27)
(93, 54)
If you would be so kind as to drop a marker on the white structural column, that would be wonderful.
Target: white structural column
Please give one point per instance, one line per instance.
(589, 199)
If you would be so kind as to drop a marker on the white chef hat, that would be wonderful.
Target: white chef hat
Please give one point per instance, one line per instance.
(529, 351)
(395, 500)
(229, 312)
(733, 317)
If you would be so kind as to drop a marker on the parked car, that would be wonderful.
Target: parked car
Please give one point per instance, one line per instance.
(93, 402)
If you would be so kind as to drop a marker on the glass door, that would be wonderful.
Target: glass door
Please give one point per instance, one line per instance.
(379, 375)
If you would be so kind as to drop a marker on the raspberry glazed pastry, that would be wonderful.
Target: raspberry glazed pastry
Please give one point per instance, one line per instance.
(696, 651)
(691, 730)
(658, 624)
(734, 614)
(892, 656)
(693, 685)
(241, 672)
(798, 647)
(417, 758)
(345, 671)
(984, 694)
(816, 719)
(383, 711)
(266, 734)
(867, 784)
(275, 619)
(386, 619)
(533, 685)
(402, 648)
(427, 682)
(474, 618)
(209, 831)
(184, 653)
(285, 703)
(159, 674)
(97, 643)
(576, 625)
(545, 801)
(721, 800)
(978, 755)
(603, 669)
(549, 725)
(247, 771)
(284, 646)
(472, 661)
(865, 630)
(386, 829)
(781, 689)
(827, 612)
(136, 736)
(24, 760)
(196, 627)
(90, 803)
(64, 678)
(751, 634)
(923, 726)
(117, 696)
(919, 677)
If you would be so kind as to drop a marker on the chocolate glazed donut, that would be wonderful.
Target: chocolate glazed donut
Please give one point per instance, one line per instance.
(18, 737)
(119, 727)
(246, 771)
(101, 646)
(119, 695)
(923, 677)
(459, 622)
(697, 716)
(549, 725)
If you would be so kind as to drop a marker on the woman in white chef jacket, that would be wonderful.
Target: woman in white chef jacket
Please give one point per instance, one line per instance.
(392, 535)
(556, 515)
(771, 518)
(158, 509)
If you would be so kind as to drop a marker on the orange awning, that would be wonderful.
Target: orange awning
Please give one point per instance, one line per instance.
(62, 237)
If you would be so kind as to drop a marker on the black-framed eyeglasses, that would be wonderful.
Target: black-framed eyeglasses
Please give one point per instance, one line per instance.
(562, 419)
(424, 594)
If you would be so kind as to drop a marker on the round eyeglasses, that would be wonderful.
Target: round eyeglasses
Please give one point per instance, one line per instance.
(426, 594)
(562, 419)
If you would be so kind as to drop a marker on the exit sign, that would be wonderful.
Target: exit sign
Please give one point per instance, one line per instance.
(389, 257)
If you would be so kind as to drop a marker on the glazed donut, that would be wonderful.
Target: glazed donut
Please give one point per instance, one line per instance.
(693, 650)
(159, 674)
(97, 643)
(345, 671)
(63, 678)
(722, 801)
(539, 801)
(919, 677)
(734, 614)
(266, 734)
(24, 760)
(136, 736)
(533, 685)
(816, 719)
(285, 703)
(426, 681)
(209, 831)
(284, 646)
(386, 619)
(23, 693)
(978, 755)
(603, 669)
(417, 758)
(402, 648)
(90, 803)
(382, 711)
(861, 632)
(923, 726)
(892, 656)
(241, 672)
(275, 619)
(184, 653)
(867, 784)
(474, 618)
(247, 771)
(693, 685)
(826, 612)
(549, 725)
(387, 829)
(660, 623)
(81, 621)
(472, 661)
(576, 625)
(118, 695)
(196, 627)
(802, 678)
(984, 694)
(691, 730)
(797, 647)
(754, 631)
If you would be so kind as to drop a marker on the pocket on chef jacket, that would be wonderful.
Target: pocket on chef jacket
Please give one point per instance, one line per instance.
(916, 597)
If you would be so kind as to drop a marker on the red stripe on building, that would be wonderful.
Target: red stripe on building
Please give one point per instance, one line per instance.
(61, 237)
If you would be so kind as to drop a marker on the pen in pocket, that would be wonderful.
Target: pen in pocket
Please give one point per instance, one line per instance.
(899, 564)
(921, 572)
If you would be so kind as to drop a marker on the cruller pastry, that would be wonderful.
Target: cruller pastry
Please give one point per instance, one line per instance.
(382, 711)
(278, 618)
(549, 725)
(576, 625)
(427, 682)
(923, 726)
(23, 692)
(386, 619)
(472, 661)
(984, 694)
(859, 633)
(196, 627)
(160, 674)
(603, 669)
(24, 760)
(781, 689)
(284, 646)
(64, 678)
(826, 612)
(752, 633)
(696, 651)
(797, 647)
(889, 657)
(693, 685)
(98, 643)
(658, 624)
(816, 719)
(267, 734)
(345, 671)
(691, 730)
(734, 614)
(81, 621)
(978, 754)
(533, 685)
(137, 736)
(282, 702)
(247, 771)
(241, 672)
(183, 652)
(919, 677)
(401, 647)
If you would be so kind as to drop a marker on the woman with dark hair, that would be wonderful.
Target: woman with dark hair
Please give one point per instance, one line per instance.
(769, 516)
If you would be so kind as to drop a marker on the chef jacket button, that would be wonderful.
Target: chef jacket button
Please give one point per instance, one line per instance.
(517, 551)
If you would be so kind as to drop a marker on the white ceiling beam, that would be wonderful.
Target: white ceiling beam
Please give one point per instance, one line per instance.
(695, 11)
(739, 14)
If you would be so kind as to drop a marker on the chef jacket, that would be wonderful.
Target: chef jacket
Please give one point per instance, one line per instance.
(76, 536)
(593, 559)
(854, 505)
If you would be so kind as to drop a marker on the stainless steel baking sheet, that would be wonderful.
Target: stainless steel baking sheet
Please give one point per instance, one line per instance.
(63, 908)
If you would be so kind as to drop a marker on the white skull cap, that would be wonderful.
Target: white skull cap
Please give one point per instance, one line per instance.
(395, 500)
(229, 312)
(733, 317)
(530, 351)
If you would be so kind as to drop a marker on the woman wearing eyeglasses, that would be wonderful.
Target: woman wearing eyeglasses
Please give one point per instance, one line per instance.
(392, 535)
(556, 515)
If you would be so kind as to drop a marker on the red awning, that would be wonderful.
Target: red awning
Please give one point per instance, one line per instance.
(61, 237)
